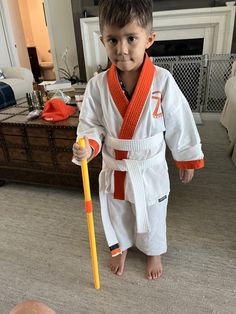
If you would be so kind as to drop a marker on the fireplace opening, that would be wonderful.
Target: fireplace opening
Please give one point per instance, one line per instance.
(179, 47)
(183, 47)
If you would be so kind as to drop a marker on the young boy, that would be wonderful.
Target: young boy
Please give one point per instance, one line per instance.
(130, 112)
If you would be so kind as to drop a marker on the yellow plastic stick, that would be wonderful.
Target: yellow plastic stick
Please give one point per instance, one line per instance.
(89, 211)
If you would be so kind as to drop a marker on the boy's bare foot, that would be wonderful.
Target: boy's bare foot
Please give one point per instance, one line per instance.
(154, 267)
(117, 263)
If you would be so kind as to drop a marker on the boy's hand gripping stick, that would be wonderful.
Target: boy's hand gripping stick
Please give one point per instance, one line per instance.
(89, 211)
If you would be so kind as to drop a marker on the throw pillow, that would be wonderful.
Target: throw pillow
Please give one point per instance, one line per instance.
(2, 76)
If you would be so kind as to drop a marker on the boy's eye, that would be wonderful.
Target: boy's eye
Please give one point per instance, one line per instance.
(112, 41)
(131, 39)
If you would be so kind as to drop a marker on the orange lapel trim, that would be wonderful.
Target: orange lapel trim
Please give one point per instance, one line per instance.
(116, 91)
(138, 100)
(130, 111)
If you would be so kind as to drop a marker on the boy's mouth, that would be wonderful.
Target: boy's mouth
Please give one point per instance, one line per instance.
(123, 60)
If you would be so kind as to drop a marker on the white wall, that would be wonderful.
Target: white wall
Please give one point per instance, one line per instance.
(61, 32)
(17, 45)
(5, 58)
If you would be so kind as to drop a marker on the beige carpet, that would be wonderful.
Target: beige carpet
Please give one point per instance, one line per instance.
(44, 250)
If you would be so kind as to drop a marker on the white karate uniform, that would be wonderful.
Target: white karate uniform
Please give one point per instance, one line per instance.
(134, 181)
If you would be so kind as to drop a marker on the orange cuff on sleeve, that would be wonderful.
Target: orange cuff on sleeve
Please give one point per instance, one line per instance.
(95, 146)
(191, 164)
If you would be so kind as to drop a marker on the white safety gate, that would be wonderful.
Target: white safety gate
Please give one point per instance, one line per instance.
(201, 78)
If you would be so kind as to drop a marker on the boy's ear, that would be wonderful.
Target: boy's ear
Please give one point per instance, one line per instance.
(150, 40)
(101, 38)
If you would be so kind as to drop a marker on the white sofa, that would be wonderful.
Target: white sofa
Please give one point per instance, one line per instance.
(228, 116)
(20, 79)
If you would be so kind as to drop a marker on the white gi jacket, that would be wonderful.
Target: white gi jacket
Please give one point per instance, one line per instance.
(134, 135)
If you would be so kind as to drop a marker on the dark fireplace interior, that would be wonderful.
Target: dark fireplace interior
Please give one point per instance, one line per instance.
(180, 47)
(183, 47)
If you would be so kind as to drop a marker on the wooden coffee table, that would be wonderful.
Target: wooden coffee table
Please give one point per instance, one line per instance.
(40, 152)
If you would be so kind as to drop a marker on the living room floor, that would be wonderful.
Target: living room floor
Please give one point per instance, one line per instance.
(45, 252)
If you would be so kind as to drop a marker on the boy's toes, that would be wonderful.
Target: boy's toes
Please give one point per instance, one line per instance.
(120, 271)
(149, 276)
(154, 275)
(154, 267)
(114, 269)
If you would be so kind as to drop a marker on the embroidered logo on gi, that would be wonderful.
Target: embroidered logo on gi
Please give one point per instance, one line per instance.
(162, 198)
(157, 111)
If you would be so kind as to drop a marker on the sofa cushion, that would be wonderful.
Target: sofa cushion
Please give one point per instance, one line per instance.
(19, 86)
(20, 79)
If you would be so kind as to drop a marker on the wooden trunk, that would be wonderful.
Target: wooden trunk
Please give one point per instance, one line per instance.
(40, 152)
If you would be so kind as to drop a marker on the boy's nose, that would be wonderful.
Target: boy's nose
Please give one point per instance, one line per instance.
(122, 48)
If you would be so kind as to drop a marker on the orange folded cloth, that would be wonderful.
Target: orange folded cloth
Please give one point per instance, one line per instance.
(56, 110)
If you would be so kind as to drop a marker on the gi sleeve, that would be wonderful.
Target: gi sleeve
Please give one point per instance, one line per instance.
(90, 120)
(181, 132)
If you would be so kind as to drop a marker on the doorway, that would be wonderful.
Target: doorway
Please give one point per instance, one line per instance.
(37, 39)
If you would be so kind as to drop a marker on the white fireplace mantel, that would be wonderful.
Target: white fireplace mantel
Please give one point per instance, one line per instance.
(214, 25)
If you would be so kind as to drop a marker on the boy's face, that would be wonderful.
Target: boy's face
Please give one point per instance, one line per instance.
(126, 46)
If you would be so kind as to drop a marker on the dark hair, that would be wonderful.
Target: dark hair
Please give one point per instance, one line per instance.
(123, 12)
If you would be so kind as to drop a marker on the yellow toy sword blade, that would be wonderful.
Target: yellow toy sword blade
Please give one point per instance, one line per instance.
(89, 211)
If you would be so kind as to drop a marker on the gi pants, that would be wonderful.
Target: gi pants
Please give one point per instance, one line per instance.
(122, 215)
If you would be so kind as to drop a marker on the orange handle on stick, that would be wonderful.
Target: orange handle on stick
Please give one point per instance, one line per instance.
(89, 211)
